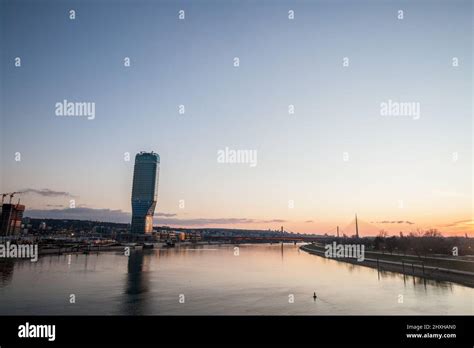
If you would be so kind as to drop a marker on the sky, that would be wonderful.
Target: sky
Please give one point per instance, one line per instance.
(335, 156)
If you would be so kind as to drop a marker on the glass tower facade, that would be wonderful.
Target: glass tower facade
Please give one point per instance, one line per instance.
(144, 191)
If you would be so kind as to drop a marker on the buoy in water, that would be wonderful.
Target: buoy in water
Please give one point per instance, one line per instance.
(314, 296)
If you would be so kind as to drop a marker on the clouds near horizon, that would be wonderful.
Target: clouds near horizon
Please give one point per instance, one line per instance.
(47, 192)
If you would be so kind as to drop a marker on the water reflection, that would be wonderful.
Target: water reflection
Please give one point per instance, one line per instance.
(417, 281)
(6, 271)
(137, 283)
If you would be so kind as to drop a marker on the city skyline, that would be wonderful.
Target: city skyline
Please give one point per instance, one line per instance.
(339, 153)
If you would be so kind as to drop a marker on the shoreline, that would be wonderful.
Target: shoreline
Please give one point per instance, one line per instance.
(405, 265)
(84, 249)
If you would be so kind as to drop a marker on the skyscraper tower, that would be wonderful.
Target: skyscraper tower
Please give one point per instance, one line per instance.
(144, 191)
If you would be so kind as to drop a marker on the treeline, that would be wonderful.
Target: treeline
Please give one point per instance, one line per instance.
(425, 245)
(74, 224)
(421, 244)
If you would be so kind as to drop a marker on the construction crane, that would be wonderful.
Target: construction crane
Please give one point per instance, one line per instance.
(11, 196)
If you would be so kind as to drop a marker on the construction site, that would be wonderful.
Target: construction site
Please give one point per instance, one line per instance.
(11, 215)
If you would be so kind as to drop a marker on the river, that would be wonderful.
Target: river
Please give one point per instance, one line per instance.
(210, 279)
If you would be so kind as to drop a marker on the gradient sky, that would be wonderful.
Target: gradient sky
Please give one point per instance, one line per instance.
(190, 62)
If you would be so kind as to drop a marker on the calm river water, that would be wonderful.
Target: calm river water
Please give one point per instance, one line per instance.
(261, 279)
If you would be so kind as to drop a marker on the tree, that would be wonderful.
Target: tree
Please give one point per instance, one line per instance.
(433, 232)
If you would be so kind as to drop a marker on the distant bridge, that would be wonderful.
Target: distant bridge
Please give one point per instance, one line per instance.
(250, 239)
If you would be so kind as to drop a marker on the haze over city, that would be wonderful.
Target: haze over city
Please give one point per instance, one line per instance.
(335, 156)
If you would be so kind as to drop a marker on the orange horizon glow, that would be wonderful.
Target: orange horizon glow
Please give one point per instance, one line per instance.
(459, 228)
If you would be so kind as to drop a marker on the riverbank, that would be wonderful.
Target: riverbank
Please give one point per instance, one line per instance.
(434, 268)
(91, 248)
